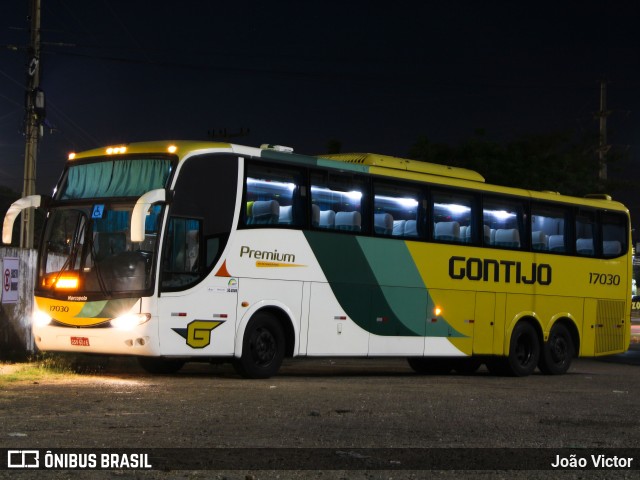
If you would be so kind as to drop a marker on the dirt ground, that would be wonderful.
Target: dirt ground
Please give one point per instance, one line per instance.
(323, 404)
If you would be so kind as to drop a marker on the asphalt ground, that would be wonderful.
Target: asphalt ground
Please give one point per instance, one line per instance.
(349, 409)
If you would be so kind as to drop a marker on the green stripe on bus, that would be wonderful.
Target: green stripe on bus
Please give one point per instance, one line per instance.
(361, 272)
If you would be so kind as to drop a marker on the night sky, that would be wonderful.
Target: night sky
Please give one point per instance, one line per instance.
(374, 76)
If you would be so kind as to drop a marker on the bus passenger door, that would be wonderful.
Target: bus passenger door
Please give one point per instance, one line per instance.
(199, 321)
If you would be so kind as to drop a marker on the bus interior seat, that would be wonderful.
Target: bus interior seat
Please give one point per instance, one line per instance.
(468, 235)
(507, 237)
(383, 223)
(193, 248)
(611, 247)
(411, 228)
(351, 221)
(315, 215)
(487, 234)
(538, 240)
(556, 243)
(327, 219)
(286, 215)
(264, 212)
(398, 228)
(584, 246)
(449, 231)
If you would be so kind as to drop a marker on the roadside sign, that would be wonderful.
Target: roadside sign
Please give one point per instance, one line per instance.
(10, 279)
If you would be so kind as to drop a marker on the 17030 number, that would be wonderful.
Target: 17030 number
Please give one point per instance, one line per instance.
(603, 279)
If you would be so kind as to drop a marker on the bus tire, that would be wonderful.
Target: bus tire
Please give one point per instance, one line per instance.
(524, 350)
(558, 352)
(160, 365)
(430, 366)
(262, 347)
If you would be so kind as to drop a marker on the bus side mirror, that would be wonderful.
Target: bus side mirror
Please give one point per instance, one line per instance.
(141, 209)
(31, 201)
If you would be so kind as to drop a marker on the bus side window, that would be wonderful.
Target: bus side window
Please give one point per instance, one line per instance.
(504, 220)
(182, 253)
(396, 210)
(614, 234)
(548, 226)
(336, 202)
(453, 217)
(272, 196)
(585, 233)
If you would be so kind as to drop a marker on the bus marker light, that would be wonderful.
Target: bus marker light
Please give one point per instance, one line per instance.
(437, 311)
(71, 156)
(178, 314)
(172, 149)
(220, 315)
(245, 304)
(116, 150)
(340, 317)
(67, 282)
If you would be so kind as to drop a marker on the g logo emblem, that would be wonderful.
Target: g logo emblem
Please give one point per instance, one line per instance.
(198, 332)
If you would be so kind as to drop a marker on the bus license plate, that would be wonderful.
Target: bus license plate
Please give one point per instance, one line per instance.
(80, 341)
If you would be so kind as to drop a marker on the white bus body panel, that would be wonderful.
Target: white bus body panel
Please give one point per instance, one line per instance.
(199, 321)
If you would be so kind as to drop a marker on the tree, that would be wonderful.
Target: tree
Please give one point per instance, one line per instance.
(554, 161)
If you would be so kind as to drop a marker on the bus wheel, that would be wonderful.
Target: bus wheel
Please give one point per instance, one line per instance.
(558, 352)
(160, 365)
(430, 366)
(524, 351)
(262, 348)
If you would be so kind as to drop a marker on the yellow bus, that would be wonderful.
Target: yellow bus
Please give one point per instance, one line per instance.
(178, 251)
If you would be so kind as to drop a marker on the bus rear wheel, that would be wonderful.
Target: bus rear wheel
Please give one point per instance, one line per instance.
(558, 352)
(524, 351)
(262, 348)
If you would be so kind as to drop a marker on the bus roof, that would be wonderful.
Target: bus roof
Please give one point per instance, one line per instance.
(359, 162)
(385, 161)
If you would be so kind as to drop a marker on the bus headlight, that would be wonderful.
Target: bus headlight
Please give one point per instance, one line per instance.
(130, 321)
(40, 319)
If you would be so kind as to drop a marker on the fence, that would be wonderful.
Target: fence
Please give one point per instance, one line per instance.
(16, 339)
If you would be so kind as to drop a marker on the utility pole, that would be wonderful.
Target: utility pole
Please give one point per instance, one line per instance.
(34, 117)
(603, 148)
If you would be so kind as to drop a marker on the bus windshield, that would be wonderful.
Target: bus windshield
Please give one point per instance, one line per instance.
(87, 251)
